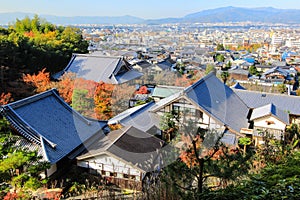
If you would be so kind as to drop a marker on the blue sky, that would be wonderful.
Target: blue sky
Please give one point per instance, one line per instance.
(147, 9)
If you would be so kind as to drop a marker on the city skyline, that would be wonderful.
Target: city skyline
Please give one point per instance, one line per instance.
(147, 10)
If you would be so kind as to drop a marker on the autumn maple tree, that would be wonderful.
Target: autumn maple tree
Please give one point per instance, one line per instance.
(41, 80)
(5, 98)
(65, 86)
(102, 99)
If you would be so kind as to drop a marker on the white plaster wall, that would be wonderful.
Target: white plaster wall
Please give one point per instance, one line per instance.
(277, 124)
(108, 163)
(51, 170)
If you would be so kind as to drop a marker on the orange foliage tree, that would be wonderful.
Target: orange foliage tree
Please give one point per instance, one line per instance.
(65, 86)
(102, 99)
(204, 156)
(5, 98)
(103, 95)
(41, 80)
(189, 79)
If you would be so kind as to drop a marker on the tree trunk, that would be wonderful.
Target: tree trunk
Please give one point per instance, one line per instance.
(200, 180)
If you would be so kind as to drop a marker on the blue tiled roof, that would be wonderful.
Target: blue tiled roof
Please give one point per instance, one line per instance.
(45, 119)
(221, 102)
(276, 69)
(237, 85)
(254, 99)
(139, 117)
(268, 110)
(164, 65)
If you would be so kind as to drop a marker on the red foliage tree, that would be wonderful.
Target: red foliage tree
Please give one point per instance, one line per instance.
(142, 90)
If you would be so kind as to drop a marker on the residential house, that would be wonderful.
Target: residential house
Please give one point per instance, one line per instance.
(263, 68)
(208, 102)
(237, 85)
(123, 157)
(213, 105)
(289, 104)
(238, 73)
(51, 127)
(165, 65)
(142, 66)
(276, 74)
(109, 69)
(268, 118)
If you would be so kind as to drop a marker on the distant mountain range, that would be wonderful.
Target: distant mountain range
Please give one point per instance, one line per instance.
(225, 14)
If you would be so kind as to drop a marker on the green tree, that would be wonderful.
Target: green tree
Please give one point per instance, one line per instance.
(18, 165)
(220, 47)
(81, 102)
(220, 58)
(35, 44)
(281, 88)
(245, 141)
(224, 76)
(276, 181)
(253, 70)
(168, 125)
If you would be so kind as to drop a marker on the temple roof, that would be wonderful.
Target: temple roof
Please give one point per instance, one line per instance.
(46, 120)
(109, 69)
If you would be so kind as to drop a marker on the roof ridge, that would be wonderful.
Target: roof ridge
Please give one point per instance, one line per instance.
(142, 107)
(98, 56)
(268, 93)
(121, 135)
(201, 80)
(70, 63)
(170, 86)
(44, 149)
(152, 136)
(32, 98)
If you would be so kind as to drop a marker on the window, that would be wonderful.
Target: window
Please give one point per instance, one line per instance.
(132, 176)
(114, 174)
(125, 176)
(199, 114)
(270, 122)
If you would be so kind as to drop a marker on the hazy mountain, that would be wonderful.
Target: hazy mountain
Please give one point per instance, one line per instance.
(93, 19)
(225, 14)
(235, 14)
(6, 18)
